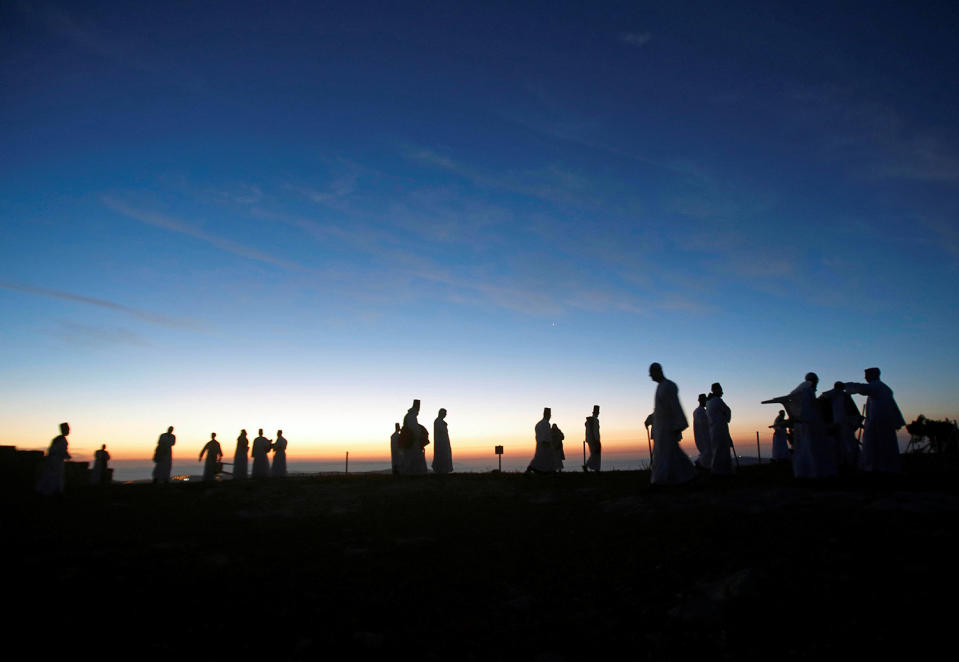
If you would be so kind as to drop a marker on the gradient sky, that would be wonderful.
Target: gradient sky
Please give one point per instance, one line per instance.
(303, 215)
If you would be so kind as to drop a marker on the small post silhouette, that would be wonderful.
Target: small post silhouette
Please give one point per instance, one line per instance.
(499, 455)
(759, 455)
(347, 462)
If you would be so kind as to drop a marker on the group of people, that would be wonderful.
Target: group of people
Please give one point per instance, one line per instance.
(163, 457)
(53, 473)
(823, 436)
(823, 430)
(550, 454)
(408, 445)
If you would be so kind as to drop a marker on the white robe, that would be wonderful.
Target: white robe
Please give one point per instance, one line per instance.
(670, 463)
(720, 441)
(52, 479)
(163, 456)
(813, 453)
(701, 436)
(592, 440)
(239, 458)
(261, 459)
(396, 453)
(100, 460)
(213, 453)
(544, 459)
(414, 457)
(278, 468)
(559, 454)
(442, 453)
(845, 428)
(880, 445)
(780, 442)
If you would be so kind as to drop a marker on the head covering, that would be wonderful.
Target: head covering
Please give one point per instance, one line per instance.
(546, 412)
(416, 404)
(872, 373)
(715, 387)
(812, 377)
(595, 409)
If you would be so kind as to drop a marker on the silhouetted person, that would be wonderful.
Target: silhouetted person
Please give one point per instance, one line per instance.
(100, 461)
(261, 459)
(396, 452)
(670, 465)
(813, 453)
(592, 441)
(51, 478)
(701, 434)
(558, 453)
(414, 439)
(719, 440)
(442, 453)
(213, 454)
(163, 456)
(780, 443)
(239, 456)
(845, 421)
(880, 447)
(278, 470)
(544, 460)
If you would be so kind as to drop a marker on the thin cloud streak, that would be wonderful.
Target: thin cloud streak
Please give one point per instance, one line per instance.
(153, 318)
(174, 225)
(637, 39)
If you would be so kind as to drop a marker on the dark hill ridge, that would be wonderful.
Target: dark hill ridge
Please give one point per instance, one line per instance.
(469, 566)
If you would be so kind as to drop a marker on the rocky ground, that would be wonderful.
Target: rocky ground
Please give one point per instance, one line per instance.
(491, 565)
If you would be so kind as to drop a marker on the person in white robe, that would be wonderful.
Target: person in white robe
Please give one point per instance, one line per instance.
(240, 456)
(396, 452)
(544, 459)
(720, 443)
(163, 456)
(880, 445)
(780, 441)
(278, 468)
(213, 453)
(813, 453)
(701, 434)
(414, 439)
(261, 459)
(670, 465)
(592, 441)
(559, 454)
(845, 422)
(53, 473)
(101, 460)
(442, 453)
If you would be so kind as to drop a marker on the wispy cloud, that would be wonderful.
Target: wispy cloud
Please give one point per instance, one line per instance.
(946, 233)
(175, 225)
(146, 316)
(86, 335)
(637, 39)
(878, 140)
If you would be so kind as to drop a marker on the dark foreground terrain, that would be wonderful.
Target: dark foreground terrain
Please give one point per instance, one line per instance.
(489, 566)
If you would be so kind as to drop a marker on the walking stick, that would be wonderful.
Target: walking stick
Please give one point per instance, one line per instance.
(648, 441)
(735, 454)
(861, 425)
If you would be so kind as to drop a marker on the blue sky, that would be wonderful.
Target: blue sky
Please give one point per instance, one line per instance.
(302, 215)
